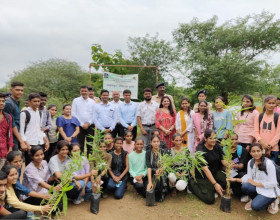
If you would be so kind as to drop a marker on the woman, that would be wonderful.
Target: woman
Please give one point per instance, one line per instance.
(213, 178)
(52, 133)
(178, 180)
(37, 175)
(201, 96)
(138, 168)
(165, 121)
(152, 156)
(222, 119)
(245, 130)
(15, 158)
(58, 163)
(118, 170)
(82, 176)
(202, 121)
(184, 124)
(13, 200)
(267, 134)
(68, 125)
(260, 182)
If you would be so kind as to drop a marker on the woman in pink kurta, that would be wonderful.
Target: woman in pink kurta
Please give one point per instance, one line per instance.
(266, 132)
(245, 130)
(165, 121)
(202, 120)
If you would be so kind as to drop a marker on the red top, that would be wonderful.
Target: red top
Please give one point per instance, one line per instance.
(5, 140)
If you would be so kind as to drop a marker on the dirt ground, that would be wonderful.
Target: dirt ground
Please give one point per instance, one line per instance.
(183, 206)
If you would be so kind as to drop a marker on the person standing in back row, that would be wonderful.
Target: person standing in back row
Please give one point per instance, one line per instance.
(46, 115)
(160, 93)
(146, 114)
(116, 102)
(82, 109)
(105, 114)
(12, 107)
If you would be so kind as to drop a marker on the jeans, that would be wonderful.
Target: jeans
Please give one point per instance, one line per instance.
(75, 193)
(274, 156)
(88, 191)
(119, 191)
(259, 202)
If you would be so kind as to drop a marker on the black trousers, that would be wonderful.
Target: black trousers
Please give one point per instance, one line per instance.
(84, 135)
(134, 131)
(118, 131)
(236, 187)
(16, 215)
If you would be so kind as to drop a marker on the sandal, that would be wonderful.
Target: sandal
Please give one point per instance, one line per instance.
(273, 207)
(248, 206)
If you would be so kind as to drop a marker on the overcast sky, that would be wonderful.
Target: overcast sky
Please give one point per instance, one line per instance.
(33, 30)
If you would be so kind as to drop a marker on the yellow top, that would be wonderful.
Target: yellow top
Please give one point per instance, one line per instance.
(13, 200)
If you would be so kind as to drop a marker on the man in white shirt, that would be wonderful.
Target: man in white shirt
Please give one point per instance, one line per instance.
(82, 109)
(146, 113)
(30, 126)
(116, 102)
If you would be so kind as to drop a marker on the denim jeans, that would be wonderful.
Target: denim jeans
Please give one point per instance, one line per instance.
(259, 202)
(119, 191)
(72, 193)
(274, 156)
(88, 191)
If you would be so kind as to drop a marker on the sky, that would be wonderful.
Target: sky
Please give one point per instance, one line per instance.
(34, 30)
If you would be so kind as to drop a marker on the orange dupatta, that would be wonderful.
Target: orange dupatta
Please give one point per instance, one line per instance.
(183, 127)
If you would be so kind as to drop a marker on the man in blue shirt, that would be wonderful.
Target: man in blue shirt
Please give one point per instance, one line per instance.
(105, 114)
(128, 114)
(12, 107)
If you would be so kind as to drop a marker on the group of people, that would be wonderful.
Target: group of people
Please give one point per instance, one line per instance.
(44, 141)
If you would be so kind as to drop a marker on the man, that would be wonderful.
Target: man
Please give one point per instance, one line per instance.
(46, 115)
(91, 95)
(12, 107)
(128, 114)
(160, 93)
(6, 132)
(116, 102)
(146, 113)
(105, 113)
(30, 126)
(82, 109)
(4, 213)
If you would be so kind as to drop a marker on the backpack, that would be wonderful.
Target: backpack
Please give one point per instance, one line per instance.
(27, 118)
(6, 115)
(277, 168)
(276, 115)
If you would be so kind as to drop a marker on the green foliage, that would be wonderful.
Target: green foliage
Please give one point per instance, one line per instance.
(74, 165)
(186, 161)
(58, 78)
(95, 159)
(225, 57)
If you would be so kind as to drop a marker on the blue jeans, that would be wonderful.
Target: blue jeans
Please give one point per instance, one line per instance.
(259, 202)
(76, 189)
(88, 191)
(274, 156)
(119, 191)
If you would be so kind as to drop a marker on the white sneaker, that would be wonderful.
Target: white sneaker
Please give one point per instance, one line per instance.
(77, 202)
(244, 199)
(273, 207)
(216, 195)
(188, 191)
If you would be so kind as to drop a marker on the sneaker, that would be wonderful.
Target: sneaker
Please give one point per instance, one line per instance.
(77, 201)
(244, 199)
(216, 195)
(248, 206)
(273, 207)
(188, 191)
(104, 195)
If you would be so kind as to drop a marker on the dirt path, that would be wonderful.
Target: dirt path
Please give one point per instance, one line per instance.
(183, 206)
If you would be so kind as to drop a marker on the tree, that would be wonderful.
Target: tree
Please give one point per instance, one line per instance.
(151, 51)
(58, 78)
(226, 58)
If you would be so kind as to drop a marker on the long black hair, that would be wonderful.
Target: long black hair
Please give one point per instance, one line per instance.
(205, 117)
(252, 106)
(266, 99)
(170, 107)
(261, 166)
(12, 155)
(123, 153)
